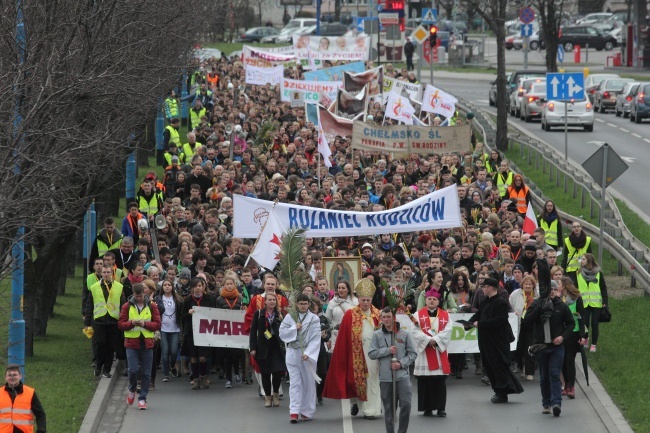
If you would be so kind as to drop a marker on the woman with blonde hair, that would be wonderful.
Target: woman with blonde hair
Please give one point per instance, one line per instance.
(520, 300)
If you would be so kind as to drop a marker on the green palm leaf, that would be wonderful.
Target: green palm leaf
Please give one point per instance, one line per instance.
(292, 274)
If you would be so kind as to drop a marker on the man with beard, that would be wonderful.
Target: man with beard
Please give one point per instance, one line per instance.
(494, 338)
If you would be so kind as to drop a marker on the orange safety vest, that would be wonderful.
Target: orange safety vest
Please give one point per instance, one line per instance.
(519, 197)
(17, 414)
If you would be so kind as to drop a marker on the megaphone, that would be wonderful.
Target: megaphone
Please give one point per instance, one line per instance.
(237, 129)
(160, 221)
(242, 87)
(229, 128)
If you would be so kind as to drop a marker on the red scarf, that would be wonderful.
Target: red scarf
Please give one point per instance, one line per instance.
(430, 352)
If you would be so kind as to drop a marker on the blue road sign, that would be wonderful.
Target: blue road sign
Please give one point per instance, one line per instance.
(560, 53)
(380, 8)
(429, 16)
(526, 30)
(565, 86)
(361, 26)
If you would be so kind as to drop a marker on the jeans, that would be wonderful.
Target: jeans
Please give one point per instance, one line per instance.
(169, 348)
(140, 361)
(550, 362)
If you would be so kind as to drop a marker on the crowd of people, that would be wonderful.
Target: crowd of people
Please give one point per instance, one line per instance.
(140, 302)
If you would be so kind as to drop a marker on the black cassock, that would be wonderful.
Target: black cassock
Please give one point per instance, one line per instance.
(494, 337)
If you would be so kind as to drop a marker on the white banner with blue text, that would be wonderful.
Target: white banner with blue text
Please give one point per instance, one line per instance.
(436, 210)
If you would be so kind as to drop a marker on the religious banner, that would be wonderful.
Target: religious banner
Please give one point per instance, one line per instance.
(335, 73)
(399, 108)
(312, 92)
(411, 139)
(437, 101)
(463, 341)
(331, 47)
(262, 76)
(373, 78)
(334, 125)
(267, 57)
(216, 327)
(350, 106)
(436, 210)
(414, 90)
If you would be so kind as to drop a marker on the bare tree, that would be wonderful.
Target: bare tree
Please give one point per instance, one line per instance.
(91, 77)
(494, 14)
(550, 17)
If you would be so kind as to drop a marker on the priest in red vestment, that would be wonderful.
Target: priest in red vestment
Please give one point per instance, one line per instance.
(352, 374)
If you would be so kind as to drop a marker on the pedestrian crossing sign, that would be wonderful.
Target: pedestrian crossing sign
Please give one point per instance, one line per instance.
(429, 16)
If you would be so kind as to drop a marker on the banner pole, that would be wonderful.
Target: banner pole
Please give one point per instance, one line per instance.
(261, 231)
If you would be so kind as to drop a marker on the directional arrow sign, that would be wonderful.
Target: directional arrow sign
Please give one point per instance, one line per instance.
(560, 53)
(565, 86)
(526, 30)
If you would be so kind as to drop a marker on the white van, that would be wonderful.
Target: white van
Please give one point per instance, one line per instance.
(297, 23)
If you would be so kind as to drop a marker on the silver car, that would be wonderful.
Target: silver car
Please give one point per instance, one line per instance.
(607, 91)
(624, 99)
(579, 113)
(516, 96)
(533, 101)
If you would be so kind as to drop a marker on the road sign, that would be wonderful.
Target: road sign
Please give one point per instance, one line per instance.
(526, 30)
(393, 32)
(420, 34)
(380, 8)
(565, 86)
(389, 18)
(426, 53)
(615, 165)
(429, 16)
(527, 15)
(560, 53)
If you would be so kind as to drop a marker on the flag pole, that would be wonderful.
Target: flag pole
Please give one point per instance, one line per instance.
(318, 170)
(261, 231)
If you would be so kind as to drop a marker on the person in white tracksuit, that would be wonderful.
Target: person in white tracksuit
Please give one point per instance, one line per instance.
(302, 336)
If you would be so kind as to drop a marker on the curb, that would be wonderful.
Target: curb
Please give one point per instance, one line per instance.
(100, 399)
(607, 411)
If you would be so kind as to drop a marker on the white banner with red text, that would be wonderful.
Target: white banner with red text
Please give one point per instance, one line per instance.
(463, 341)
(436, 210)
(267, 57)
(311, 92)
(214, 327)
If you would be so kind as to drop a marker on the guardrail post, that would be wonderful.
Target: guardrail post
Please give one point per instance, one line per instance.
(633, 282)
(582, 197)
(575, 188)
(591, 207)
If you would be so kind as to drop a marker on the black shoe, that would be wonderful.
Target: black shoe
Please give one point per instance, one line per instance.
(107, 375)
(174, 372)
(496, 398)
(428, 413)
(354, 410)
(97, 374)
(320, 401)
(459, 374)
(442, 414)
(370, 417)
(557, 410)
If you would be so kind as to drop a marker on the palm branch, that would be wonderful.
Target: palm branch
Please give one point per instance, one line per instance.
(291, 271)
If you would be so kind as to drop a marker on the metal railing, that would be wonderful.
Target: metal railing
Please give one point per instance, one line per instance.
(631, 254)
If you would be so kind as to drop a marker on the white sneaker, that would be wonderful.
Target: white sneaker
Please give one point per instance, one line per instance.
(228, 384)
(237, 379)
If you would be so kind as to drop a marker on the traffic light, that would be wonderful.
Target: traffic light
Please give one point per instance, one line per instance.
(433, 36)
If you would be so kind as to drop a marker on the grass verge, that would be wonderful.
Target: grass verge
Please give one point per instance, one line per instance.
(620, 362)
(60, 369)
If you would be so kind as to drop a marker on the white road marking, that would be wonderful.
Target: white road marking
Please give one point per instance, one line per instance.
(628, 159)
(624, 130)
(646, 140)
(483, 101)
(598, 120)
(636, 135)
(347, 418)
(612, 125)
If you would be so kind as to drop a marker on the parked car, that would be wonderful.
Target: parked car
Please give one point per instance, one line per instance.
(624, 98)
(288, 38)
(492, 94)
(256, 34)
(640, 105)
(517, 96)
(300, 22)
(535, 42)
(273, 39)
(583, 35)
(594, 17)
(607, 91)
(593, 80)
(334, 29)
(533, 101)
(510, 42)
(578, 113)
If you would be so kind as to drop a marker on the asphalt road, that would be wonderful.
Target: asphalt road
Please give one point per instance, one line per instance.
(630, 140)
(174, 407)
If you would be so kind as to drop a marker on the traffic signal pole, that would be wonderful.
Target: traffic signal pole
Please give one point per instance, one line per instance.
(420, 55)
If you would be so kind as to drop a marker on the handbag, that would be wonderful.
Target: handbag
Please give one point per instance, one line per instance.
(605, 315)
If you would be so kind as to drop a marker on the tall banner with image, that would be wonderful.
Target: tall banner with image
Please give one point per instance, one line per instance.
(299, 92)
(267, 57)
(373, 78)
(350, 48)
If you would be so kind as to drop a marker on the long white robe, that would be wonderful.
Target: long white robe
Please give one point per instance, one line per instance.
(442, 339)
(302, 388)
(335, 311)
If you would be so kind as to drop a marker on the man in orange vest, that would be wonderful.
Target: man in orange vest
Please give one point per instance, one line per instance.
(20, 408)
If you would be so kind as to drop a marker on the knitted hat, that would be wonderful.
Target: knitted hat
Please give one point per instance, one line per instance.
(365, 288)
(366, 246)
(185, 273)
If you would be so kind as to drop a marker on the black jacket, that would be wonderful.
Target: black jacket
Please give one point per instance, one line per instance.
(561, 320)
(257, 340)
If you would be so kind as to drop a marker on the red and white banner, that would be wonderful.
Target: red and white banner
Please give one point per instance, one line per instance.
(267, 248)
(267, 57)
(214, 327)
